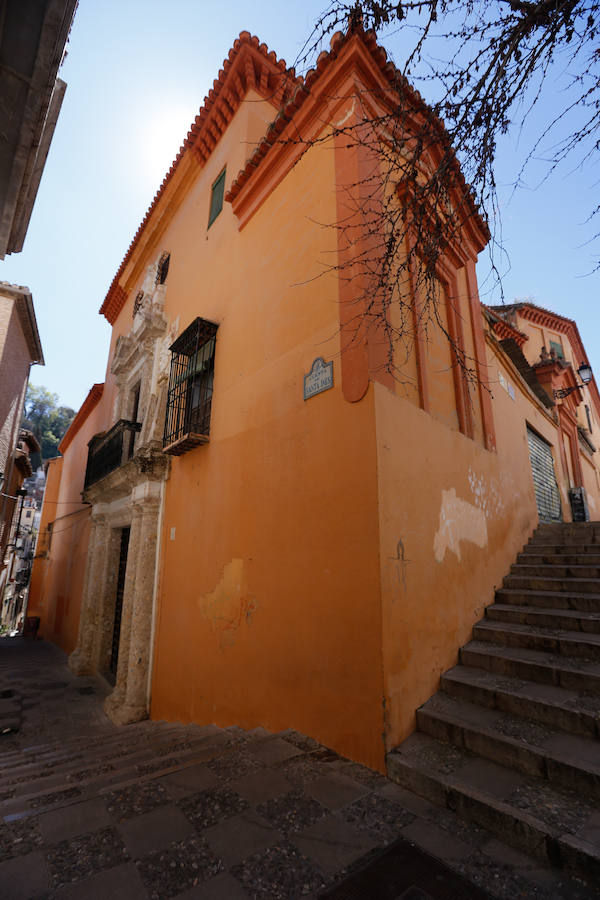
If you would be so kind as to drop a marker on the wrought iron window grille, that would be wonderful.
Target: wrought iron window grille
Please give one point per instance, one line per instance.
(189, 398)
(110, 450)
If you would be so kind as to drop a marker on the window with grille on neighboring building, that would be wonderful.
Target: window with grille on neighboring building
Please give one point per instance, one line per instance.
(189, 398)
(216, 198)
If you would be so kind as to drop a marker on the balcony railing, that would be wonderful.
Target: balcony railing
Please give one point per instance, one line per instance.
(110, 450)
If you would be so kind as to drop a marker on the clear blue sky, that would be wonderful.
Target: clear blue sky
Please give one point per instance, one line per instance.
(137, 72)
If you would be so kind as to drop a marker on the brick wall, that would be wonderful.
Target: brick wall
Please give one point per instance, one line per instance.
(14, 372)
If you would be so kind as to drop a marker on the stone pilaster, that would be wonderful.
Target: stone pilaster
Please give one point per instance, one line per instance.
(105, 619)
(115, 701)
(81, 660)
(129, 700)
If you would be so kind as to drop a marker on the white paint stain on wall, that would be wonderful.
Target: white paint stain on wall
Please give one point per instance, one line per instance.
(459, 521)
(489, 494)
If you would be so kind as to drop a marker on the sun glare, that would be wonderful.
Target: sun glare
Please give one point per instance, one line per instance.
(160, 139)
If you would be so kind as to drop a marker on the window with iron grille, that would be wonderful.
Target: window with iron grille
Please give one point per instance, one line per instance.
(190, 392)
(216, 198)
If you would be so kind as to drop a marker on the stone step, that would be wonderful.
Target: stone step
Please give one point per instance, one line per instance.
(532, 665)
(585, 532)
(533, 557)
(555, 571)
(104, 743)
(563, 759)
(559, 549)
(563, 619)
(64, 792)
(570, 540)
(549, 599)
(563, 643)
(559, 585)
(122, 755)
(551, 823)
(547, 704)
(71, 750)
(24, 764)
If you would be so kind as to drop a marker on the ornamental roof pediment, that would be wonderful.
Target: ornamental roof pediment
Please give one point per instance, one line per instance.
(251, 66)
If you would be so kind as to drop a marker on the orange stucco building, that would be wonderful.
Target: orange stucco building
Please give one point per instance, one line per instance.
(275, 531)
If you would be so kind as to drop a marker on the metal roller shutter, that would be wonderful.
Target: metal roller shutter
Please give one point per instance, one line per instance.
(544, 480)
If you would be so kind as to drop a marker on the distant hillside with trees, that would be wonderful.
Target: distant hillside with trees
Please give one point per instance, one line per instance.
(47, 420)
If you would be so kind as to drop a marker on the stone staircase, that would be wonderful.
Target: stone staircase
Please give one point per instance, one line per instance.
(48, 775)
(511, 741)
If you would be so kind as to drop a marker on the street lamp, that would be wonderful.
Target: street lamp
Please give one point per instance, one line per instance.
(585, 373)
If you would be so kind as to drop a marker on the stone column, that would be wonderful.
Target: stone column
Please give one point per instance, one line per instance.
(128, 702)
(81, 659)
(115, 701)
(105, 619)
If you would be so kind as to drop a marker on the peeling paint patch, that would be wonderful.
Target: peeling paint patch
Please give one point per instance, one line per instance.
(230, 605)
(350, 112)
(489, 494)
(459, 521)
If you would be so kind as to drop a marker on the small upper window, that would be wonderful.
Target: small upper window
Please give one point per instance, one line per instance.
(558, 350)
(216, 198)
(589, 418)
(163, 268)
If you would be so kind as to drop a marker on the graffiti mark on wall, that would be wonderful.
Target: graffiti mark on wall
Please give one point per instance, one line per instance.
(459, 521)
(401, 563)
(230, 606)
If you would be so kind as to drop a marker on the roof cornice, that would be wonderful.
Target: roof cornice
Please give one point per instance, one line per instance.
(502, 328)
(288, 138)
(24, 306)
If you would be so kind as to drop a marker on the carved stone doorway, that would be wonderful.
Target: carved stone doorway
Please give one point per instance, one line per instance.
(116, 635)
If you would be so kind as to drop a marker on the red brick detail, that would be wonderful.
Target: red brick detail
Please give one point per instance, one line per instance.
(503, 330)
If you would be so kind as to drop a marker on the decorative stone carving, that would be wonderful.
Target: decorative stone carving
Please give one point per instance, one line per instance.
(129, 496)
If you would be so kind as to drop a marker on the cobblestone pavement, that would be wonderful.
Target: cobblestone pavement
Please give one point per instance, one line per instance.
(159, 810)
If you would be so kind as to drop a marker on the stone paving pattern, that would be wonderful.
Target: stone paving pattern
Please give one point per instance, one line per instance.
(156, 810)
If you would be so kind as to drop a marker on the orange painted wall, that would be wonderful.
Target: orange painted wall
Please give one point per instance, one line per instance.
(269, 607)
(37, 603)
(452, 517)
(57, 581)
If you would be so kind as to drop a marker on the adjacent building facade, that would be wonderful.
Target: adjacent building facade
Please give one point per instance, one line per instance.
(32, 42)
(20, 348)
(255, 522)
